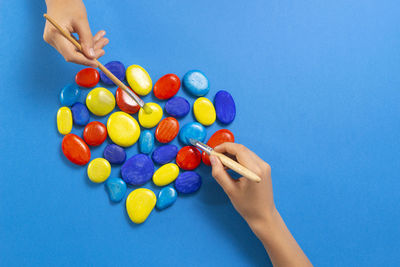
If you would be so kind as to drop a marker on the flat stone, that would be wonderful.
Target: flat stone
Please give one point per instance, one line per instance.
(166, 197)
(69, 95)
(188, 182)
(167, 86)
(80, 114)
(137, 170)
(192, 130)
(75, 149)
(114, 154)
(166, 174)
(225, 107)
(123, 129)
(100, 101)
(64, 120)
(98, 170)
(95, 133)
(177, 107)
(139, 204)
(164, 154)
(87, 77)
(116, 68)
(188, 158)
(196, 83)
(116, 189)
(167, 130)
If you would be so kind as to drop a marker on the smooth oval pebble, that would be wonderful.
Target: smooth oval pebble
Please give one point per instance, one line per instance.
(114, 154)
(167, 86)
(64, 120)
(123, 129)
(177, 107)
(98, 170)
(204, 111)
(219, 137)
(146, 142)
(125, 102)
(75, 149)
(225, 107)
(167, 130)
(188, 182)
(164, 154)
(166, 174)
(196, 83)
(166, 197)
(116, 189)
(88, 77)
(139, 204)
(95, 133)
(137, 170)
(69, 95)
(139, 80)
(116, 68)
(100, 101)
(149, 120)
(192, 130)
(188, 158)
(80, 113)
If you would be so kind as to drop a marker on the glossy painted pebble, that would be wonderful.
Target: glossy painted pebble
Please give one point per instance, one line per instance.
(166, 174)
(166, 197)
(225, 107)
(98, 170)
(123, 129)
(167, 130)
(125, 102)
(192, 130)
(177, 107)
(64, 120)
(137, 170)
(116, 68)
(75, 149)
(196, 83)
(139, 80)
(188, 182)
(149, 120)
(188, 158)
(167, 86)
(204, 111)
(164, 154)
(100, 101)
(116, 189)
(114, 154)
(219, 137)
(139, 204)
(88, 77)
(146, 142)
(95, 133)
(69, 95)
(80, 113)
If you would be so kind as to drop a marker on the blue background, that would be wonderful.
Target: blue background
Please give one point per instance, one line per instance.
(317, 88)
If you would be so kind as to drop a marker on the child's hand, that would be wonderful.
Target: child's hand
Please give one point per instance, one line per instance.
(71, 15)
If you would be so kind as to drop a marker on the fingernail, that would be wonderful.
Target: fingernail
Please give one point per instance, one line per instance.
(91, 52)
(212, 160)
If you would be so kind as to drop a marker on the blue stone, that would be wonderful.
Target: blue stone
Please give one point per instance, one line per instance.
(146, 142)
(137, 170)
(69, 95)
(192, 130)
(188, 182)
(224, 107)
(116, 68)
(164, 154)
(196, 83)
(166, 197)
(177, 107)
(116, 189)
(80, 114)
(114, 154)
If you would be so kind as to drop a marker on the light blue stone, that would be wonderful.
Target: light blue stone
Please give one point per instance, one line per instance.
(166, 197)
(196, 83)
(146, 142)
(192, 130)
(69, 95)
(116, 188)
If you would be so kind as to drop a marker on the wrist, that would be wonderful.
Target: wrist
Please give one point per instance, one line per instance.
(265, 224)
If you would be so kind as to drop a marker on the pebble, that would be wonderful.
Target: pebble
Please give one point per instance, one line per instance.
(123, 129)
(139, 204)
(164, 154)
(167, 130)
(219, 137)
(95, 133)
(100, 101)
(114, 154)
(188, 158)
(192, 130)
(125, 102)
(204, 111)
(188, 182)
(137, 170)
(177, 107)
(116, 68)
(149, 120)
(167, 86)
(139, 80)
(64, 120)
(80, 113)
(166, 174)
(225, 107)
(146, 142)
(75, 149)
(98, 170)
(166, 197)
(196, 83)
(69, 95)
(88, 77)
(116, 189)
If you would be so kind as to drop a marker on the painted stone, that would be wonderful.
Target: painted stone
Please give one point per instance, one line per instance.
(125, 102)
(149, 120)
(87, 77)
(196, 83)
(116, 68)
(139, 204)
(188, 158)
(116, 189)
(75, 149)
(114, 154)
(177, 107)
(123, 129)
(204, 111)
(137, 170)
(167, 86)
(64, 120)
(146, 142)
(80, 113)
(139, 80)
(219, 137)
(95, 133)
(164, 154)
(98, 170)
(225, 107)
(100, 101)
(192, 130)
(166, 174)
(188, 182)
(69, 95)
(167, 130)
(166, 197)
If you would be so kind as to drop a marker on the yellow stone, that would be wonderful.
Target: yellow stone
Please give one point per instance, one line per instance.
(139, 80)
(98, 170)
(64, 120)
(123, 129)
(100, 101)
(166, 174)
(149, 120)
(139, 204)
(204, 111)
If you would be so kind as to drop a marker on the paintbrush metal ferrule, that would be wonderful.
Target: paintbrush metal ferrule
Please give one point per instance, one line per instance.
(200, 145)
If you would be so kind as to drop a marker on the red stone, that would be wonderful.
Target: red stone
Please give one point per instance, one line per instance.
(95, 133)
(188, 158)
(75, 149)
(88, 77)
(167, 86)
(219, 137)
(167, 130)
(125, 102)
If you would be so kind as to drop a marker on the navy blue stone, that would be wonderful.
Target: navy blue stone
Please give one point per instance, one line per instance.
(188, 182)
(164, 154)
(80, 114)
(224, 107)
(137, 170)
(116, 68)
(114, 154)
(177, 107)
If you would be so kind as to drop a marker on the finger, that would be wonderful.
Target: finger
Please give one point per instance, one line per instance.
(99, 35)
(230, 148)
(85, 38)
(99, 53)
(69, 52)
(221, 176)
(100, 44)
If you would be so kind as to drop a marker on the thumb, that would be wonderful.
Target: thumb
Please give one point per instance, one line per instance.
(85, 38)
(221, 176)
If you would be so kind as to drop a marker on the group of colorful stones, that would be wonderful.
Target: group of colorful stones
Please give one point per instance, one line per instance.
(124, 131)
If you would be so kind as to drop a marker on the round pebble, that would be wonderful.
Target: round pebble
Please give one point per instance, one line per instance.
(123, 129)
(196, 83)
(225, 107)
(146, 142)
(177, 107)
(69, 95)
(100, 101)
(149, 120)
(139, 80)
(219, 137)
(125, 102)
(192, 130)
(116, 189)
(80, 113)
(167, 86)
(88, 77)
(75, 149)
(164, 154)
(95, 133)
(114, 154)
(139, 204)
(167, 130)
(116, 68)
(166, 197)
(188, 182)
(204, 111)
(166, 174)
(64, 120)
(137, 170)
(188, 158)
(98, 170)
